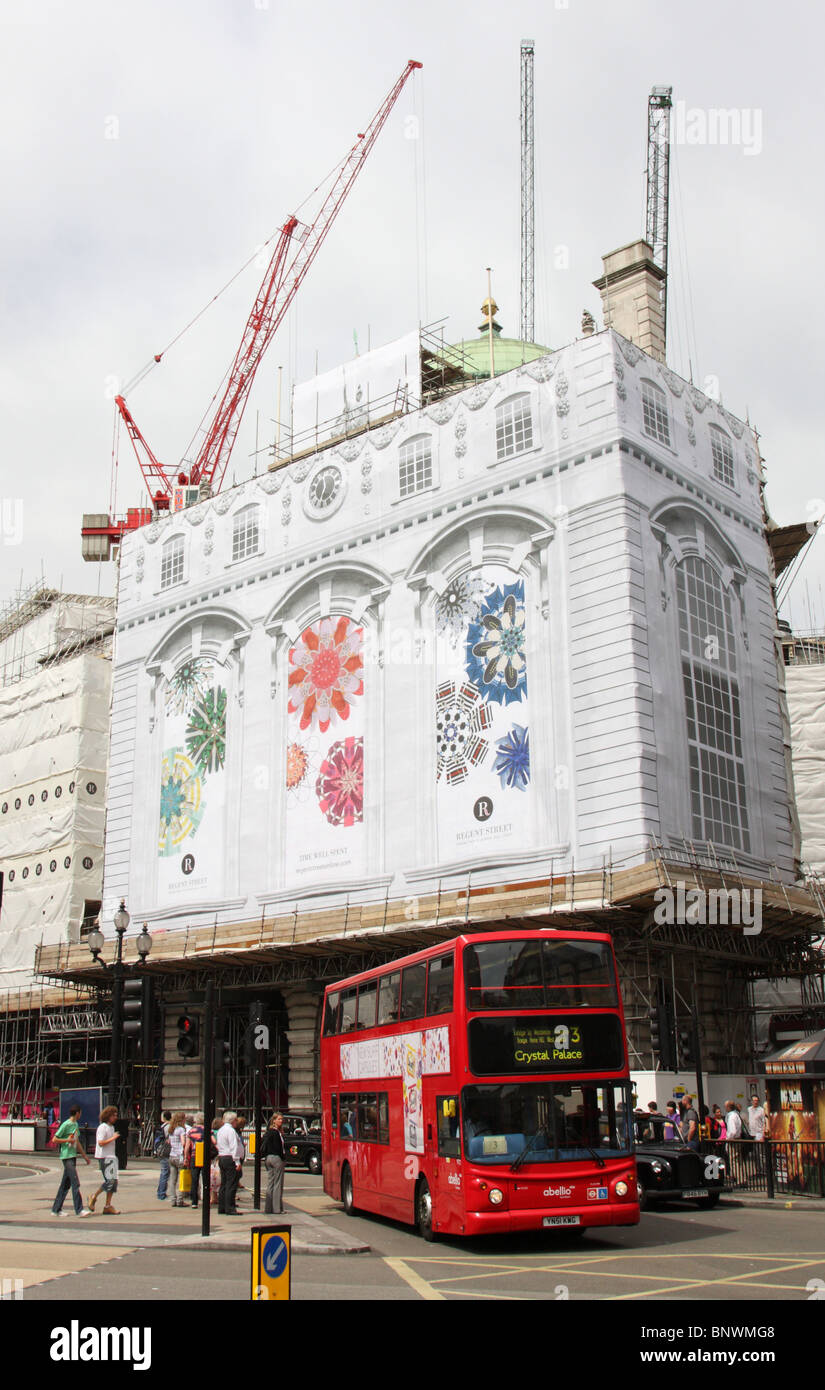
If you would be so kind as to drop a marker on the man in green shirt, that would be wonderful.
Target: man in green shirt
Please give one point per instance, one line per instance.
(68, 1138)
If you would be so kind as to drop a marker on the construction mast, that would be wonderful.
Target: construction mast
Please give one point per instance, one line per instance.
(528, 206)
(658, 184)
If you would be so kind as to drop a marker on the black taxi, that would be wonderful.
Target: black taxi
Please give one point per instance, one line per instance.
(302, 1137)
(668, 1170)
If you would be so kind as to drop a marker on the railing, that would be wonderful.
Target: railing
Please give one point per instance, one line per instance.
(773, 1167)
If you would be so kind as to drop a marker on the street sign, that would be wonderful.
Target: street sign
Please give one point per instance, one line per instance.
(271, 1263)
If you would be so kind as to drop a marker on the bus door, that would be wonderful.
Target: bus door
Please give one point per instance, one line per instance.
(444, 1150)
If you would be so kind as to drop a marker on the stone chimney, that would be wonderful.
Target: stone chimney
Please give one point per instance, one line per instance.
(631, 297)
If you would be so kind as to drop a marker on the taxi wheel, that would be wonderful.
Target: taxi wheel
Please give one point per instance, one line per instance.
(711, 1201)
(314, 1162)
(642, 1195)
(347, 1195)
(424, 1210)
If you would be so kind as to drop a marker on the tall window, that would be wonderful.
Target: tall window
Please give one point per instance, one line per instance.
(245, 533)
(712, 706)
(171, 563)
(722, 455)
(415, 465)
(514, 427)
(654, 412)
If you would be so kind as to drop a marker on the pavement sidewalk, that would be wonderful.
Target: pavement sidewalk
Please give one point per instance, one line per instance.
(28, 1184)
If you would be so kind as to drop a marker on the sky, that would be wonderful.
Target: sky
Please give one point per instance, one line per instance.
(149, 150)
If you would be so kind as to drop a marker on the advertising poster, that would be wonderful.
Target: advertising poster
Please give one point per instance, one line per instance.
(485, 797)
(325, 754)
(191, 848)
(412, 1063)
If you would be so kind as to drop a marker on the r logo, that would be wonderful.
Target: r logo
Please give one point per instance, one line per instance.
(187, 863)
(483, 808)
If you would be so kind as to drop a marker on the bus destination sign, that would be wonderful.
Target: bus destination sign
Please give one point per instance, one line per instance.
(541, 1043)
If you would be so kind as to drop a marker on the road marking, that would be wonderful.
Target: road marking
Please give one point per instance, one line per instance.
(415, 1281)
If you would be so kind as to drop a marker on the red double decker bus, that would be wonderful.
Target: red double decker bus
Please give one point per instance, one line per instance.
(482, 1085)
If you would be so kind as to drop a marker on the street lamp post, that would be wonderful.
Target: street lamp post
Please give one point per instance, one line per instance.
(143, 945)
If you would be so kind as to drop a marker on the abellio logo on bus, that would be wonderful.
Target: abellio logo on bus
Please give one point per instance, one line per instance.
(558, 1192)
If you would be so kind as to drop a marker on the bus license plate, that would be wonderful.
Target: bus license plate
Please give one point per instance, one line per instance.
(695, 1192)
(561, 1221)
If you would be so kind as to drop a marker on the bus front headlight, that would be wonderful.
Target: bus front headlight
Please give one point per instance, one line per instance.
(496, 1196)
(621, 1189)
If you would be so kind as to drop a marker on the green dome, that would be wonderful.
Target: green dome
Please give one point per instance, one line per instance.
(507, 352)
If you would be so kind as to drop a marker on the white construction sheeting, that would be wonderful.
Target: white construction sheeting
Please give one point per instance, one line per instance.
(380, 383)
(54, 745)
(806, 706)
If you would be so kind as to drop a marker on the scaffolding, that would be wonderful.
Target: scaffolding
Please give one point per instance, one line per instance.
(83, 623)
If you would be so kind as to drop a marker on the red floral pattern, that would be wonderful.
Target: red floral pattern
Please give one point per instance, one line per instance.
(326, 676)
(340, 785)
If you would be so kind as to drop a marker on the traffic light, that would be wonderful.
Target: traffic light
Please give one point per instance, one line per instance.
(132, 1025)
(253, 1036)
(188, 1042)
(136, 1012)
(221, 1049)
(661, 1030)
(687, 1046)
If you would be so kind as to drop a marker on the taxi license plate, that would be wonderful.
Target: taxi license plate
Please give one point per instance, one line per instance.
(695, 1192)
(561, 1221)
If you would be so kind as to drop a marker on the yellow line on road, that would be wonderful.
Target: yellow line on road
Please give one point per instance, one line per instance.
(734, 1281)
(415, 1281)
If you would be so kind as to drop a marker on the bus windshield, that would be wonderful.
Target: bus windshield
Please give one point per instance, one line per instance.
(537, 973)
(547, 1122)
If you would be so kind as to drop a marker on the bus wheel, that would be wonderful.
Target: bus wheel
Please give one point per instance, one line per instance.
(424, 1210)
(347, 1196)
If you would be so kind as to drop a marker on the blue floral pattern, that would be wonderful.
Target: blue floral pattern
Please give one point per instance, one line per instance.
(495, 653)
(513, 758)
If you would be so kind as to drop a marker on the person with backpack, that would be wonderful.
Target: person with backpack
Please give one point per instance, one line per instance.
(196, 1136)
(68, 1138)
(163, 1148)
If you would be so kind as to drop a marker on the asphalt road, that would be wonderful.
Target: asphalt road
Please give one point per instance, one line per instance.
(677, 1254)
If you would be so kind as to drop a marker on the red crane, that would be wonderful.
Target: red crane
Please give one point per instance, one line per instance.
(297, 246)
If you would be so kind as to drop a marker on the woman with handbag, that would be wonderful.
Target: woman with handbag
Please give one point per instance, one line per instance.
(163, 1148)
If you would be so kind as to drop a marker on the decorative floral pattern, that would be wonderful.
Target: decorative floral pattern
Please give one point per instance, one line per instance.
(459, 605)
(181, 801)
(326, 676)
(513, 759)
(461, 719)
(495, 657)
(188, 685)
(206, 732)
(340, 784)
(301, 769)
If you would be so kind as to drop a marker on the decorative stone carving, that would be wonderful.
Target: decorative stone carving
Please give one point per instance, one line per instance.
(196, 515)
(699, 399)
(350, 450)
(299, 471)
(691, 430)
(736, 425)
(621, 389)
(479, 395)
(562, 403)
(443, 411)
(629, 351)
(223, 502)
(381, 438)
(541, 370)
(671, 380)
(272, 482)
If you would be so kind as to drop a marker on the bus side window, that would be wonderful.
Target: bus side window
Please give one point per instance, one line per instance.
(413, 987)
(366, 1004)
(348, 1008)
(333, 1109)
(348, 1120)
(440, 985)
(446, 1109)
(331, 1017)
(383, 1118)
(388, 991)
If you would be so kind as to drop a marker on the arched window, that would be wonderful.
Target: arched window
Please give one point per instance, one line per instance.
(246, 533)
(415, 465)
(171, 562)
(654, 412)
(712, 705)
(514, 426)
(722, 454)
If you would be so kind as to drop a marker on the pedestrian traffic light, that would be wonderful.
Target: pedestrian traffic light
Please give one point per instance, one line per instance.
(188, 1042)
